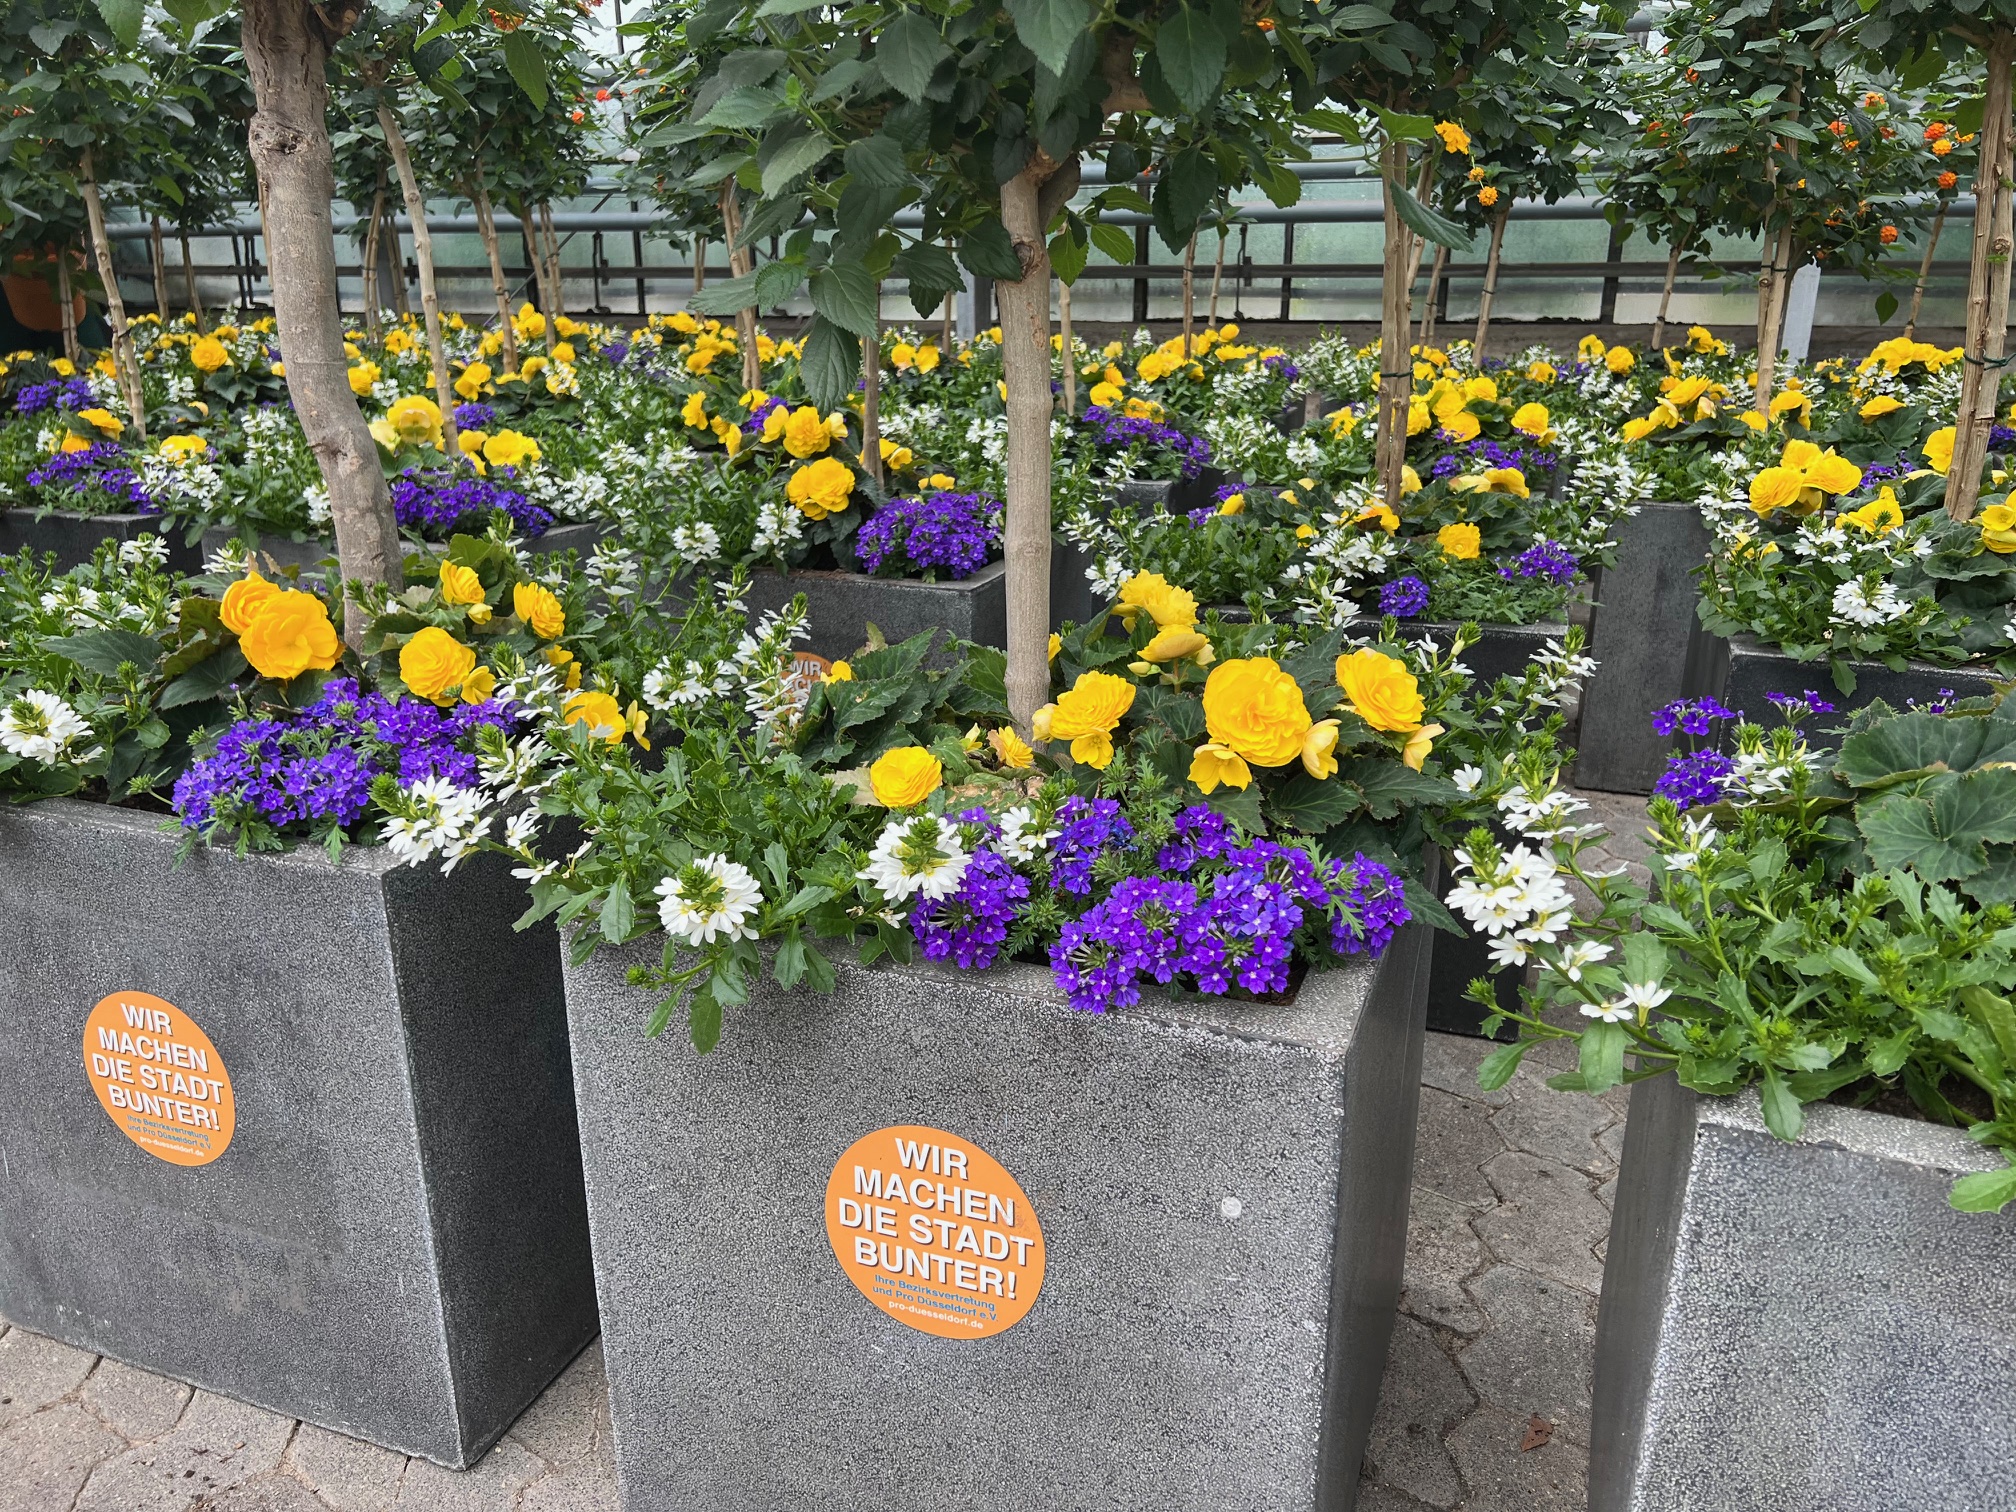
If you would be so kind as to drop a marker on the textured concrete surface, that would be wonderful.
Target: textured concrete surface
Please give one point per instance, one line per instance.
(394, 1243)
(841, 606)
(1643, 619)
(1821, 1294)
(1484, 1341)
(1222, 1194)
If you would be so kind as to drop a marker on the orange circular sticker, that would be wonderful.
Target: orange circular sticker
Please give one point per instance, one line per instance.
(934, 1232)
(159, 1078)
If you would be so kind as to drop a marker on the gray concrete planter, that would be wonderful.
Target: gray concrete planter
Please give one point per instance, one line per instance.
(74, 537)
(1221, 1188)
(393, 1240)
(1804, 1328)
(1644, 635)
(1743, 673)
(843, 605)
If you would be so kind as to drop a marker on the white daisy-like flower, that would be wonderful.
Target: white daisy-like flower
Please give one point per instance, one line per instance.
(151, 550)
(1507, 951)
(1467, 778)
(710, 899)
(921, 854)
(1619, 1012)
(1022, 838)
(39, 726)
(1645, 996)
(1582, 953)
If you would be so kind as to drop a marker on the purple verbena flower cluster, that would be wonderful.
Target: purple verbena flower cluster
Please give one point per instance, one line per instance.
(1281, 367)
(57, 393)
(969, 926)
(956, 532)
(103, 468)
(1795, 705)
(437, 503)
(1530, 460)
(317, 765)
(754, 424)
(2001, 438)
(475, 416)
(1087, 829)
(1694, 779)
(1404, 597)
(1690, 716)
(1546, 559)
(614, 353)
(1115, 430)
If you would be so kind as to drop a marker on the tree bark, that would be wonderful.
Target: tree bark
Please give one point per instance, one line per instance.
(1484, 300)
(1924, 275)
(1070, 354)
(189, 278)
(66, 299)
(1666, 296)
(699, 263)
(423, 258)
(1987, 288)
(741, 261)
(1189, 293)
(1396, 368)
(373, 226)
(1435, 271)
(1770, 302)
(486, 223)
(553, 273)
(400, 306)
(287, 56)
(1024, 307)
(123, 360)
(157, 257)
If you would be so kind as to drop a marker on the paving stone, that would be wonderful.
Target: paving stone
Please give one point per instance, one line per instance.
(1557, 1126)
(1449, 1062)
(1553, 1478)
(35, 1371)
(219, 1445)
(1547, 1219)
(1607, 1195)
(138, 1403)
(1539, 1352)
(279, 1492)
(1442, 1253)
(570, 1421)
(1612, 1141)
(347, 1473)
(587, 1486)
(1373, 1497)
(1452, 1141)
(1423, 1397)
(46, 1457)
(493, 1485)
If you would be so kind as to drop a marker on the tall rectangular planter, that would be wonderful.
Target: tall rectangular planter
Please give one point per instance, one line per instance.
(74, 537)
(362, 1203)
(1645, 637)
(1744, 673)
(1221, 1190)
(1806, 1327)
(843, 605)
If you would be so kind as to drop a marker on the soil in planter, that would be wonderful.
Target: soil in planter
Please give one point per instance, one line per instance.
(1969, 1101)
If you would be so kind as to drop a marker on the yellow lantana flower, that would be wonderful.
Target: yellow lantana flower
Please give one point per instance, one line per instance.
(1454, 138)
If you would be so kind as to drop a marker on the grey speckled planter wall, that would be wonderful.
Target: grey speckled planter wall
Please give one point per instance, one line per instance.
(394, 1243)
(1743, 673)
(1222, 1190)
(74, 537)
(1801, 1328)
(842, 605)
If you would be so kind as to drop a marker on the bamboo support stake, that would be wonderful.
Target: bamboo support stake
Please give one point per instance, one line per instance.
(945, 340)
(1435, 270)
(500, 288)
(699, 263)
(1070, 355)
(1396, 372)
(1490, 293)
(189, 278)
(1189, 294)
(1666, 296)
(423, 257)
(554, 275)
(1987, 288)
(741, 261)
(1024, 309)
(373, 230)
(871, 401)
(1924, 274)
(157, 256)
(1217, 277)
(123, 360)
(1770, 305)
(66, 297)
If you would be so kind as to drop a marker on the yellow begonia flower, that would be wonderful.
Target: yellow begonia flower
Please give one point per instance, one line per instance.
(1232, 504)
(433, 664)
(460, 585)
(806, 433)
(1319, 749)
(1776, 488)
(288, 633)
(1755, 420)
(1163, 602)
(1419, 418)
(694, 411)
(475, 378)
(1541, 372)
(1254, 707)
(209, 354)
(416, 420)
(1381, 690)
(362, 377)
(1463, 541)
(1343, 422)
(1419, 744)
(821, 488)
(1056, 645)
(537, 607)
(1463, 426)
(1619, 360)
(242, 600)
(1998, 528)
(1881, 405)
(599, 712)
(103, 421)
(180, 449)
(1014, 752)
(1879, 516)
(1939, 450)
(1591, 347)
(1410, 481)
(1214, 764)
(1533, 420)
(507, 448)
(1088, 713)
(905, 776)
(927, 357)
(1178, 643)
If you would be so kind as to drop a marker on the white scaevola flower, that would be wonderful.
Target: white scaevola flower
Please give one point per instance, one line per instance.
(1467, 778)
(1645, 996)
(711, 899)
(1619, 1012)
(39, 726)
(1582, 953)
(921, 854)
(1022, 838)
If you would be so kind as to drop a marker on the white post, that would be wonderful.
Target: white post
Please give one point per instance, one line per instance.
(1800, 303)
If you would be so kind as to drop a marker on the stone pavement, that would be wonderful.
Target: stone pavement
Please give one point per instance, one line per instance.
(1485, 1406)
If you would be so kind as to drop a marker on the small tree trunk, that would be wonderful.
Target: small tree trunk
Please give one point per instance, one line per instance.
(871, 406)
(1435, 270)
(1217, 278)
(1070, 355)
(189, 278)
(1770, 306)
(1924, 275)
(123, 360)
(66, 297)
(699, 262)
(1417, 245)
(1666, 296)
(372, 228)
(423, 257)
(1189, 293)
(287, 56)
(553, 274)
(157, 256)
(1396, 370)
(740, 262)
(1987, 288)
(1484, 300)
(1024, 307)
(486, 223)
(401, 306)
